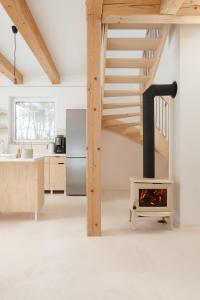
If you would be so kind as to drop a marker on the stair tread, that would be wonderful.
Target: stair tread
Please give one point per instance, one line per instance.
(121, 93)
(129, 44)
(111, 123)
(126, 79)
(120, 105)
(120, 116)
(129, 62)
(130, 26)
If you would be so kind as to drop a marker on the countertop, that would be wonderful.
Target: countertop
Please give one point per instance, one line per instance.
(21, 160)
(51, 154)
(11, 158)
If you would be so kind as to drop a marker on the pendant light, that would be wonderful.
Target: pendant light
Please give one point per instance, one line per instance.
(15, 31)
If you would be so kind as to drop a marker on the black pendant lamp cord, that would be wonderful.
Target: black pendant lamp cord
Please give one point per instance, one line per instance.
(15, 30)
(15, 49)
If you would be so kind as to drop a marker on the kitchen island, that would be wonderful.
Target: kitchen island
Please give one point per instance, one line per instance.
(21, 185)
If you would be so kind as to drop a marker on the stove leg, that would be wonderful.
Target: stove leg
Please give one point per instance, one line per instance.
(134, 218)
(171, 223)
(130, 216)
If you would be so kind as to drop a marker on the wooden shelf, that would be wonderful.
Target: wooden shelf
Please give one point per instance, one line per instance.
(3, 128)
(3, 113)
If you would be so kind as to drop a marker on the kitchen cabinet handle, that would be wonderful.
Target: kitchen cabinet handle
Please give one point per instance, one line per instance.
(60, 163)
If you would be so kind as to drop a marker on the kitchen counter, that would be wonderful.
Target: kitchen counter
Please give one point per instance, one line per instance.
(21, 185)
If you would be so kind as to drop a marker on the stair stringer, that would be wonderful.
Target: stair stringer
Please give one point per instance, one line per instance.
(135, 132)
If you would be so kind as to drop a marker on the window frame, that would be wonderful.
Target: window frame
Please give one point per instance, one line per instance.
(15, 100)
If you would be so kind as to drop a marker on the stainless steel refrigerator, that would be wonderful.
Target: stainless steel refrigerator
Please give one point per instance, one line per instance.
(76, 151)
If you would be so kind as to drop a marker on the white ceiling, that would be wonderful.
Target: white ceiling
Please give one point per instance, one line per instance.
(62, 24)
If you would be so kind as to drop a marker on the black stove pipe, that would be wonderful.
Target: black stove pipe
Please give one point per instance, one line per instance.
(148, 124)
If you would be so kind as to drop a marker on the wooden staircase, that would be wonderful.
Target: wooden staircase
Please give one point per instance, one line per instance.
(132, 54)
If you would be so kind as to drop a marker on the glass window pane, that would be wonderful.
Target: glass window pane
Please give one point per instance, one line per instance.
(34, 120)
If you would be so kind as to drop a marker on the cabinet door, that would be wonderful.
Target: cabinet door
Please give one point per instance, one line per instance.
(57, 160)
(57, 174)
(46, 176)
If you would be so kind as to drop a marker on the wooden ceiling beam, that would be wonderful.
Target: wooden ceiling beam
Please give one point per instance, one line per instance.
(170, 7)
(21, 16)
(7, 69)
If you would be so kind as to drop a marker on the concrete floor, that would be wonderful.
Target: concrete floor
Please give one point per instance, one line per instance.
(52, 259)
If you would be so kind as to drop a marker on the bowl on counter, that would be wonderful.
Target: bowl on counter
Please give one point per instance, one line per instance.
(27, 153)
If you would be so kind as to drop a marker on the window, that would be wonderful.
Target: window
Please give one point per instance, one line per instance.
(34, 120)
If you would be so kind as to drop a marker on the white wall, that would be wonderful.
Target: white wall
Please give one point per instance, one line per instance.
(189, 124)
(122, 159)
(169, 71)
(181, 62)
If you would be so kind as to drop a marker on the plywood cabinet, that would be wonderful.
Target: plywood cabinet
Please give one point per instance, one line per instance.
(55, 174)
(47, 173)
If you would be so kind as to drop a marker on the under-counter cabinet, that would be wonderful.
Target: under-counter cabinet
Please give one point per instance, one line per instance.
(55, 173)
(47, 174)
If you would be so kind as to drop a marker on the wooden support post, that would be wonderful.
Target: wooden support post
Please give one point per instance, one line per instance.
(94, 125)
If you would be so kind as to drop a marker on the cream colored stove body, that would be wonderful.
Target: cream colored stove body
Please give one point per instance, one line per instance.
(151, 211)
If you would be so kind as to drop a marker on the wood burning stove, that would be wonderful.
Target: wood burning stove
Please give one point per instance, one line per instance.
(151, 197)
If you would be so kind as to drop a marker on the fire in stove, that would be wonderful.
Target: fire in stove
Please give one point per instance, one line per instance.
(152, 197)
